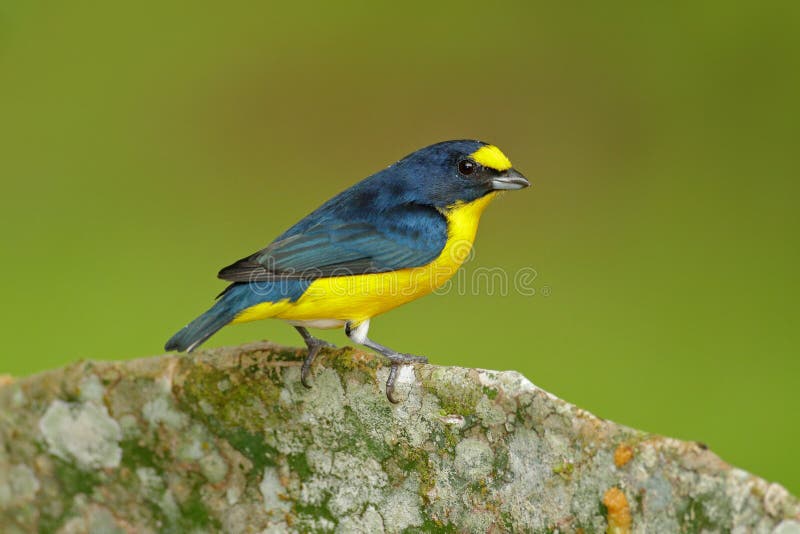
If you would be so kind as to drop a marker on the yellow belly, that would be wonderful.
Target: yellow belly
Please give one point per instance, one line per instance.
(360, 297)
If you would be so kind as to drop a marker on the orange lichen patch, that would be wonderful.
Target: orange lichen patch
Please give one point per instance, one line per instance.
(623, 455)
(6, 380)
(619, 512)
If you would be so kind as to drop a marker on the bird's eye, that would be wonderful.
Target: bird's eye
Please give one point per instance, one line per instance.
(466, 167)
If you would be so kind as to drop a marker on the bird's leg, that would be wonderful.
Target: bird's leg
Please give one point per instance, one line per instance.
(359, 335)
(313, 344)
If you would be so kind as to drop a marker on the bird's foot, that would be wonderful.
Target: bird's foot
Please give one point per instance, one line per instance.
(397, 360)
(402, 359)
(314, 345)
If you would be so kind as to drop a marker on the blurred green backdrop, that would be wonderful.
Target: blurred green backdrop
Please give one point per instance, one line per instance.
(144, 147)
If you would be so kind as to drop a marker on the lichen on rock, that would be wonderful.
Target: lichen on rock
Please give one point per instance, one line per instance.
(83, 433)
(228, 440)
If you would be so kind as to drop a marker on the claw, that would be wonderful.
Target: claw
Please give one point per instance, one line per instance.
(397, 361)
(390, 383)
(313, 350)
(313, 344)
(411, 358)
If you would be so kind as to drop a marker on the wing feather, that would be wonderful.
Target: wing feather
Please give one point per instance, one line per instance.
(403, 237)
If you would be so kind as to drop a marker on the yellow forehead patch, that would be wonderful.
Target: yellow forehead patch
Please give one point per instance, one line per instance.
(490, 156)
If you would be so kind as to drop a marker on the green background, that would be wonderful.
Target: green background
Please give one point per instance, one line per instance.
(144, 147)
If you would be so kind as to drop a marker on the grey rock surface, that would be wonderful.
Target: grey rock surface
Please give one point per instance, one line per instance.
(229, 440)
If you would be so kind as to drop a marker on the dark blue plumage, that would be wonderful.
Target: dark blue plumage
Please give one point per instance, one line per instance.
(386, 222)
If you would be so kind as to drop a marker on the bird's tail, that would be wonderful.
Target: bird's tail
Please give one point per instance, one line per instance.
(235, 298)
(198, 331)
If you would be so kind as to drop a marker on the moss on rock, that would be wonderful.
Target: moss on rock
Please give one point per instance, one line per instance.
(229, 440)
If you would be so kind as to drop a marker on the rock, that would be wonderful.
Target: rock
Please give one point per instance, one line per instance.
(229, 440)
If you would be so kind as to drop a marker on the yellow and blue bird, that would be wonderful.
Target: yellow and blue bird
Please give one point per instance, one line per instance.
(394, 237)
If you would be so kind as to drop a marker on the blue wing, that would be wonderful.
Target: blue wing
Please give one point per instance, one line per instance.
(341, 241)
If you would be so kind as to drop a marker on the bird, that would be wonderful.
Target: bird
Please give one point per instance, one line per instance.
(389, 239)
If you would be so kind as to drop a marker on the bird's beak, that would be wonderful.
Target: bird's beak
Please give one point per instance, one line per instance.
(510, 179)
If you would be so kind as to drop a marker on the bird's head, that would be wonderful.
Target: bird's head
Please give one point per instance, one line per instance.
(454, 172)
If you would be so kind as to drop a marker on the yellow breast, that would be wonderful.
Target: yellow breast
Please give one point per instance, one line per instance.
(360, 297)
